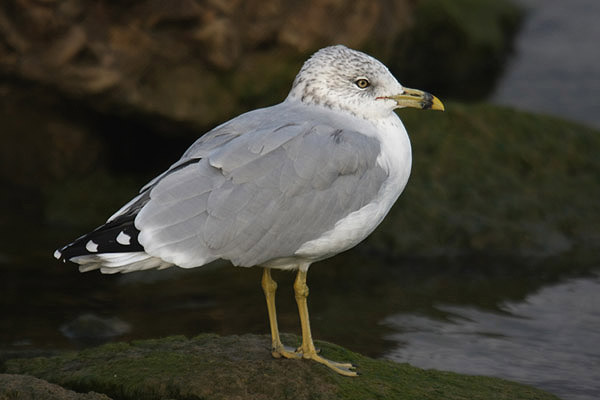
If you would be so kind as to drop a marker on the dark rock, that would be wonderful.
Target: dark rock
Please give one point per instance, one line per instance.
(457, 48)
(41, 141)
(493, 181)
(77, 77)
(23, 387)
(90, 327)
(180, 61)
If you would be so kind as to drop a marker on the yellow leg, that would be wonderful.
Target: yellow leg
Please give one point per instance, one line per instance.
(308, 349)
(278, 350)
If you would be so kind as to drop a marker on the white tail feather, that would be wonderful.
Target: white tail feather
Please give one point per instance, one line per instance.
(111, 263)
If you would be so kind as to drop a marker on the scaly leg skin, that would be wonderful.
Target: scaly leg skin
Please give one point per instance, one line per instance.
(278, 350)
(307, 349)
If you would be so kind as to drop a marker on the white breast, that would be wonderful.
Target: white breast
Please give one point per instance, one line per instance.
(396, 159)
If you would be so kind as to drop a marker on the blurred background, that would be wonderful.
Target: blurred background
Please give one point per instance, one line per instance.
(489, 262)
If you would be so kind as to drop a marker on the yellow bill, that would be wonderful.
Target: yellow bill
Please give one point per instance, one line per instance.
(417, 99)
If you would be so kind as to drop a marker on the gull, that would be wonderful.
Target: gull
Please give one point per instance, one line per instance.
(279, 187)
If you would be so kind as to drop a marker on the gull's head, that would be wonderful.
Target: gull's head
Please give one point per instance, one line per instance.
(343, 79)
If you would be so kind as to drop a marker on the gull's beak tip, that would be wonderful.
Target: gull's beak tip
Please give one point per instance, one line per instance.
(436, 104)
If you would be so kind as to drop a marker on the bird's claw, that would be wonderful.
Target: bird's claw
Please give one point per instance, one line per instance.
(342, 368)
(279, 351)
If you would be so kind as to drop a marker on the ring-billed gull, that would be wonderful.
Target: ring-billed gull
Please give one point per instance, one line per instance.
(278, 187)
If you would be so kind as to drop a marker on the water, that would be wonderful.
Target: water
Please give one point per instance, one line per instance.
(556, 67)
(550, 340)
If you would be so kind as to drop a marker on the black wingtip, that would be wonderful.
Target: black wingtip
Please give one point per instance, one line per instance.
(118, 236)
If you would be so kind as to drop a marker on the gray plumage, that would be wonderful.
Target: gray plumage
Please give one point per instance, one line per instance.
(296, 182)
(264, 194)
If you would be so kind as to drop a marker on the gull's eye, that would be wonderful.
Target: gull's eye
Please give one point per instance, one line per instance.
(362, 83)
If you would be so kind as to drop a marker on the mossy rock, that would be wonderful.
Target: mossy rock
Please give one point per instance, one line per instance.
(457, 47)
(493, 181)
(24, 387)
(241, 367)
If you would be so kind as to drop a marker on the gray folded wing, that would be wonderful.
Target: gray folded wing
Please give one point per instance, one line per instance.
(253, 192)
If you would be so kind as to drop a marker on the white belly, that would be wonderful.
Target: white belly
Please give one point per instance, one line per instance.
(396, 159)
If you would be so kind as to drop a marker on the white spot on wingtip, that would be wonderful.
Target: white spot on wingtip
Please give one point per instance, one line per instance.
(91, 246)
(123, 239)
(57, 255)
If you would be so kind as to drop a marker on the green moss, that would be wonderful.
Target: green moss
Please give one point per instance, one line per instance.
(491, 180)
(213, 367)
